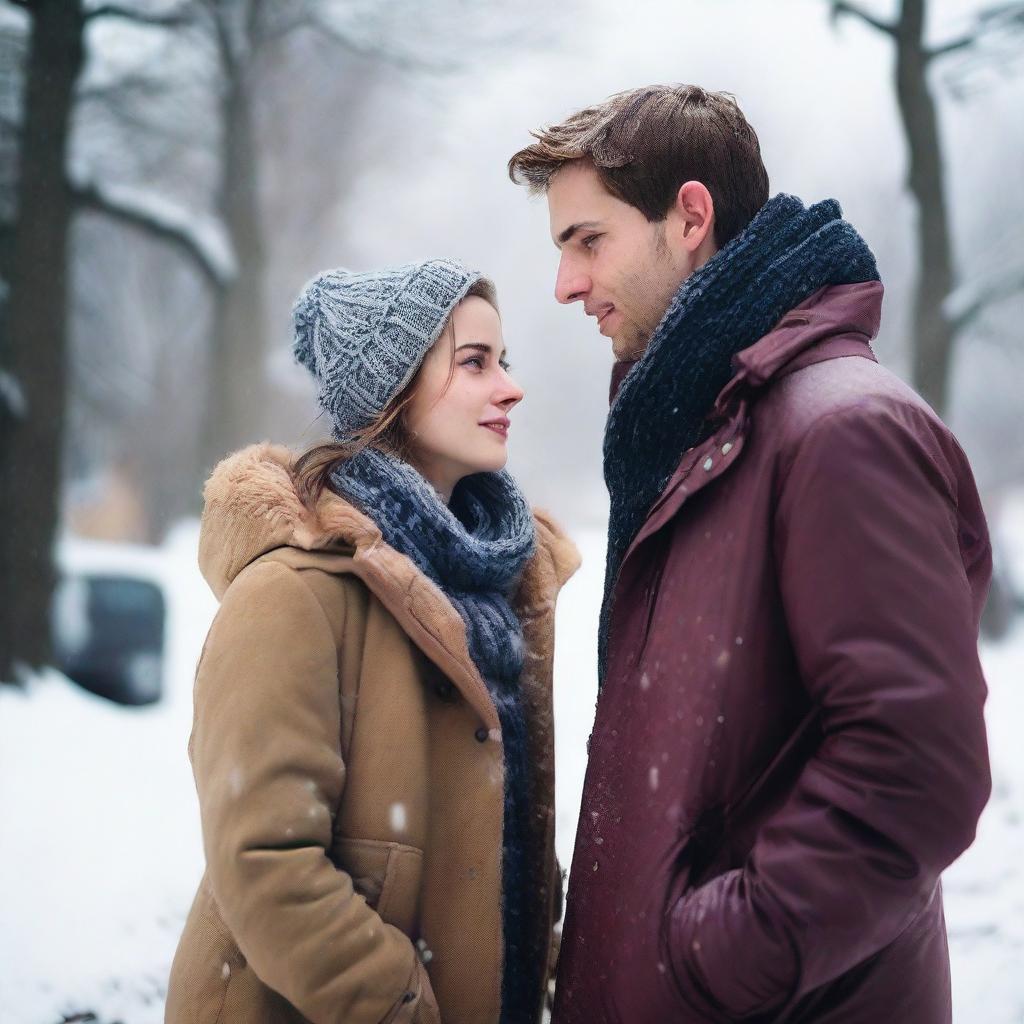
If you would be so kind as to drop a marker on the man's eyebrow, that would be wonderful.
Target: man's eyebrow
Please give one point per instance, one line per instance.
(481, 346)
(572, 229)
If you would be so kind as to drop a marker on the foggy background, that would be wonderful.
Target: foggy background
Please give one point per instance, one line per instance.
(218, 153)
(385, 139)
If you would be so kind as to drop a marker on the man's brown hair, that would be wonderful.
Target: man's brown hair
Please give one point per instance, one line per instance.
(646, 143)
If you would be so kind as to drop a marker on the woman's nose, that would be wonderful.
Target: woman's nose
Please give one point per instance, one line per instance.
(511, 394)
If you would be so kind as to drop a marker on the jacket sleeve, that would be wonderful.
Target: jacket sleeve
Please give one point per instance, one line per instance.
(267, 761)
(883, 622)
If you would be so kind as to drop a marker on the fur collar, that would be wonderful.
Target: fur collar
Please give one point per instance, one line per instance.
(252, 509)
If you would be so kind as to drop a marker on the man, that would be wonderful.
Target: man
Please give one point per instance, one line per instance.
(789, 745)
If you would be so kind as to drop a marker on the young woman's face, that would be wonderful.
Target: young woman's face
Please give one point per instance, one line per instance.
(461, 427)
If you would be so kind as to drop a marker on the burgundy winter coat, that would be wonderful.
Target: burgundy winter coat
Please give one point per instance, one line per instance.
(789, 745)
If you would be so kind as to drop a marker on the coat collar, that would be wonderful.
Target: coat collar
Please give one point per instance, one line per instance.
(850, 310)
(847, 311)
(253, 510)
(833, 322)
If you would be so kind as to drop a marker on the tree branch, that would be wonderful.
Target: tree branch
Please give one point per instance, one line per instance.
(967, 303)
(1007, 18)
(222, 40)
(268, 35)
(207, 247)
(394, 59)
(178, 19)
(841, 7)
(963, 43)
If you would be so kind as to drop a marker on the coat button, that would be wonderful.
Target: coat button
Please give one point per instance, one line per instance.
(481, 735)
(708, 463)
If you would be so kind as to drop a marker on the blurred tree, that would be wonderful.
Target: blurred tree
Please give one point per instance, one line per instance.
(232, 49)
(69, 161)
(942, 312)
(34, 264)
(33, 359)
(392, 33)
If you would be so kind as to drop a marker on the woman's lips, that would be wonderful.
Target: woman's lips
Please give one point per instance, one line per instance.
(501, 429)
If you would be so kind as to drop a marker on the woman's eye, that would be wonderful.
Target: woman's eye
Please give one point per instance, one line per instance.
(505, 366)
(474, 361)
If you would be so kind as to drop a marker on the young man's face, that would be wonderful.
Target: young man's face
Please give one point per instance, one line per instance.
(624, 269)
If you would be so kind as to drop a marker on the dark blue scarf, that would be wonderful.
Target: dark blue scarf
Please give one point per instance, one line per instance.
(786, 253)
(474, 549)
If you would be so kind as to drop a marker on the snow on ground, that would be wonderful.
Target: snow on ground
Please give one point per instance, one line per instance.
(984, 889)
(100, 849)
(100, 846)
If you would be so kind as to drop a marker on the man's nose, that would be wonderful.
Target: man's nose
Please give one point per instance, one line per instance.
(571, 284)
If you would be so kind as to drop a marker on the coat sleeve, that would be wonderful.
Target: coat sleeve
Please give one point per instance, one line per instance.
(267, 761)
(877, 596)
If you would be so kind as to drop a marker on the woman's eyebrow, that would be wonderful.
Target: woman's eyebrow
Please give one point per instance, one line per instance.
(481, 346)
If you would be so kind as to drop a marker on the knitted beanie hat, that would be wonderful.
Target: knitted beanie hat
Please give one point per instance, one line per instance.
(364, 336)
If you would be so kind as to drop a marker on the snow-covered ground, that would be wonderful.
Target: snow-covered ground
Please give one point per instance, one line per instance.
(100, 847)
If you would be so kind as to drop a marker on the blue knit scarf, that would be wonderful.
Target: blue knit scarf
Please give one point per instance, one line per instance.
(474, 549)
(786, 253)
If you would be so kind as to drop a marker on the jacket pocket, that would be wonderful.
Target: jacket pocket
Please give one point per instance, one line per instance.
(774, 783)
(388, 876)
(418, 1005)
(206, 958)
(725, 834)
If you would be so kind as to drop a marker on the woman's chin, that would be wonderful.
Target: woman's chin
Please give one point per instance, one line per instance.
(493, 463)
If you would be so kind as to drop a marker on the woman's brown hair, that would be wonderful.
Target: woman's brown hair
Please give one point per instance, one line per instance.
(387, 433)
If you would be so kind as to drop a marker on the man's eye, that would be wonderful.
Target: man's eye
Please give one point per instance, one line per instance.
(588, 242)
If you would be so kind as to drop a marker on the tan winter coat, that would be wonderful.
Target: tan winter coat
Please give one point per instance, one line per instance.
(349, 766)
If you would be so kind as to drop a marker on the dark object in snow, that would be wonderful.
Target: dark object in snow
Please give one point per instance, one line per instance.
(1003, 604)
(108, 634)
(86, 1016)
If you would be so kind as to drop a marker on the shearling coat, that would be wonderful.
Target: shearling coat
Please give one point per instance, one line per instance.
(789, 745)
(348, 761)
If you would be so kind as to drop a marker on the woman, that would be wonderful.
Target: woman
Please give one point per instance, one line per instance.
(372, 742)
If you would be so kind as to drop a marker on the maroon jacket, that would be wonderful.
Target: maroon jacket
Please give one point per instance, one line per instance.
(789, 745)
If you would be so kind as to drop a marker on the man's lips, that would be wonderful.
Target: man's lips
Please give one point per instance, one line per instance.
(602, 317)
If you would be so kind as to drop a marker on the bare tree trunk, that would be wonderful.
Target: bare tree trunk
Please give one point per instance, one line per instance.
(238, 385)
(36, 337)
(933, 334)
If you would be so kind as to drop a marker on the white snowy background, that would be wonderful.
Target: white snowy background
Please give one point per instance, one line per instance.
(101, 850)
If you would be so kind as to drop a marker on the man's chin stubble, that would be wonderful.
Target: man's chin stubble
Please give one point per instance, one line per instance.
(630, 349)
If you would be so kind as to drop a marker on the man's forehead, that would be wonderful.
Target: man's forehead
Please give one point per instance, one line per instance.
(575, 182)
(576, 196)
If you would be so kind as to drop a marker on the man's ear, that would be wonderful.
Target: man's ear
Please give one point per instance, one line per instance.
(694, 214)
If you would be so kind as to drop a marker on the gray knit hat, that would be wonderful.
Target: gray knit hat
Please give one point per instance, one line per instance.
(364, 336)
